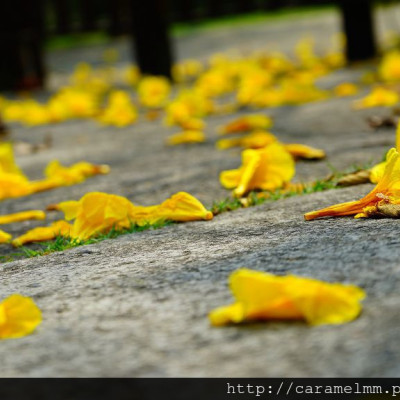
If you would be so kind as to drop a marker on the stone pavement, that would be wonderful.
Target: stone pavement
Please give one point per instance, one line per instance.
(137, 305)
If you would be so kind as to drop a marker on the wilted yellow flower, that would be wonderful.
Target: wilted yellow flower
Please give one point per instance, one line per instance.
(186, 137)
(99, 212)
(346, 89)
(41, 234)
(254, 140)
(304, 152)
(22, 216)
(268, 169)
(5, 237)
(387, 191)
(247, 123)
(379, 97)
(153, 91)
(120, 111)
(389, 69)
(19, 316)
(263, 296)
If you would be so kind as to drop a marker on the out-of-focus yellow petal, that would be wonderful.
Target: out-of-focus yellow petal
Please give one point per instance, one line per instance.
(305, 152)
(22, 216)
(254, 140)
(5, 237)
(7, 161)
(40, 234)
(186, 137)
(230, 179)
(346, 89)
(263, 296)
(247, 123)
(19, 316)
(379, 97)
(377, 172)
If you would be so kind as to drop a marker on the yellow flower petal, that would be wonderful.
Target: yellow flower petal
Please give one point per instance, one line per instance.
(268, 169)
(22, 216)
(183, 207)
(247, 123)
(5, 237)
(186, 137)
(305, 152)
(255, 140)
(263, 296)
(40, 234)
(19, 316)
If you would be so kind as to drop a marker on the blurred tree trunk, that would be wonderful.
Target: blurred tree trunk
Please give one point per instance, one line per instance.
(21, 44)
(357, 19)
(151, 37)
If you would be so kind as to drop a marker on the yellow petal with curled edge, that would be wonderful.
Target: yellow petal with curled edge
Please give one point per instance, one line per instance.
(69, 208)
(40, 234)
(263, 296)
(267, 168)
(5, 237)
(186, 137)
(386, 190)
(183, 207)
(22, 216)
(19, 316)
(305, 152)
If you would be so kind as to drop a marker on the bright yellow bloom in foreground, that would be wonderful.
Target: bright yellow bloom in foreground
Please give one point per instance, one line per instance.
(387, 191)
(263, 296)
(97, 213)
(41, 234)
(268, 169)
(247, 123)
(346, 89)
(5, 237)
(19, 316)
(22, 216)
(186, 137)
(379, 97)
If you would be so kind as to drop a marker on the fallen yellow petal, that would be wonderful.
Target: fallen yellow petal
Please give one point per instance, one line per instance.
(268, 168)
(305, 152)
(19, 316)
(22, 216)
(263, 296)
(40, 234)
(247, 123)
(5, 237)
(186, 137)
(254, 140)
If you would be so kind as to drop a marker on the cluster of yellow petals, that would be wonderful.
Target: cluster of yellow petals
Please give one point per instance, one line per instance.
(119, 111)
(263, 296)
(268, 168)
(97, 213)
(379, 97)
(19, 316)
(191, 136)
(387, 191)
